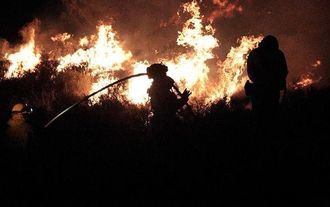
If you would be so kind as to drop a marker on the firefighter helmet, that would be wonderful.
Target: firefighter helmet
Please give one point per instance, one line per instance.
(21, 108)
(269, 42)
(156, 69)
(18, 108)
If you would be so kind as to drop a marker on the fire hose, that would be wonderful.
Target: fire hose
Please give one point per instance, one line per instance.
(105, 87)
(92, 94)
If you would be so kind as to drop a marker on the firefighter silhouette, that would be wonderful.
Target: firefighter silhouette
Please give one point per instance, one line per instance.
(267, 69)
(166, 99)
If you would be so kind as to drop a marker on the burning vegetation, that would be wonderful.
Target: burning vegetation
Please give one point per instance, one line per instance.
(103, 58)
(26, 58)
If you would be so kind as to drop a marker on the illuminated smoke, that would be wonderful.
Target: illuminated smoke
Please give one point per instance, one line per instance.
(225, 8)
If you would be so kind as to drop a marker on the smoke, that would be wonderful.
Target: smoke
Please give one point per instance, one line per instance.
(225, 8)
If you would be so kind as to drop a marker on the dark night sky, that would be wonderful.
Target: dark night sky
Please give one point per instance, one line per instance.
(302, 26)
(17, 13)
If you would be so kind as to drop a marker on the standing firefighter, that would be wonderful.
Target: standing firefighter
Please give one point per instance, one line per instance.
(267, 69)
(164, 101)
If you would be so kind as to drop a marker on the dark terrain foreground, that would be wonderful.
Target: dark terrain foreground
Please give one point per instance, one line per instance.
(104, 155)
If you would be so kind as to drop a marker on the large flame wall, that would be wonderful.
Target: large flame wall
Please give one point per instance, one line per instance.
(102, 55)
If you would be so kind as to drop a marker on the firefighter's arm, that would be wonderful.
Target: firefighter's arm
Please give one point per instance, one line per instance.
(184, 97)
(177, 90)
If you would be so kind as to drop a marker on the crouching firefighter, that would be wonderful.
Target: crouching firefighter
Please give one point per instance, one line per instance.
(166, 99)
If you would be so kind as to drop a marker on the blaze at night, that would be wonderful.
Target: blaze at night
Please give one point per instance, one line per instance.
(164, 103)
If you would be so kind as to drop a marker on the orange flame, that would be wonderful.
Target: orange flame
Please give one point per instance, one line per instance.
(102, 55)
(190, 70)
(137, 88)
(61, 37)
(306, 80)
(303, 83)
(231, 70)
(25, 59)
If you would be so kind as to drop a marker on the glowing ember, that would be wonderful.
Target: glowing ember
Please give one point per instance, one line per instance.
(309, 78)
(61, 37)
(303, 83)
(317, 64)
(25, 59)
